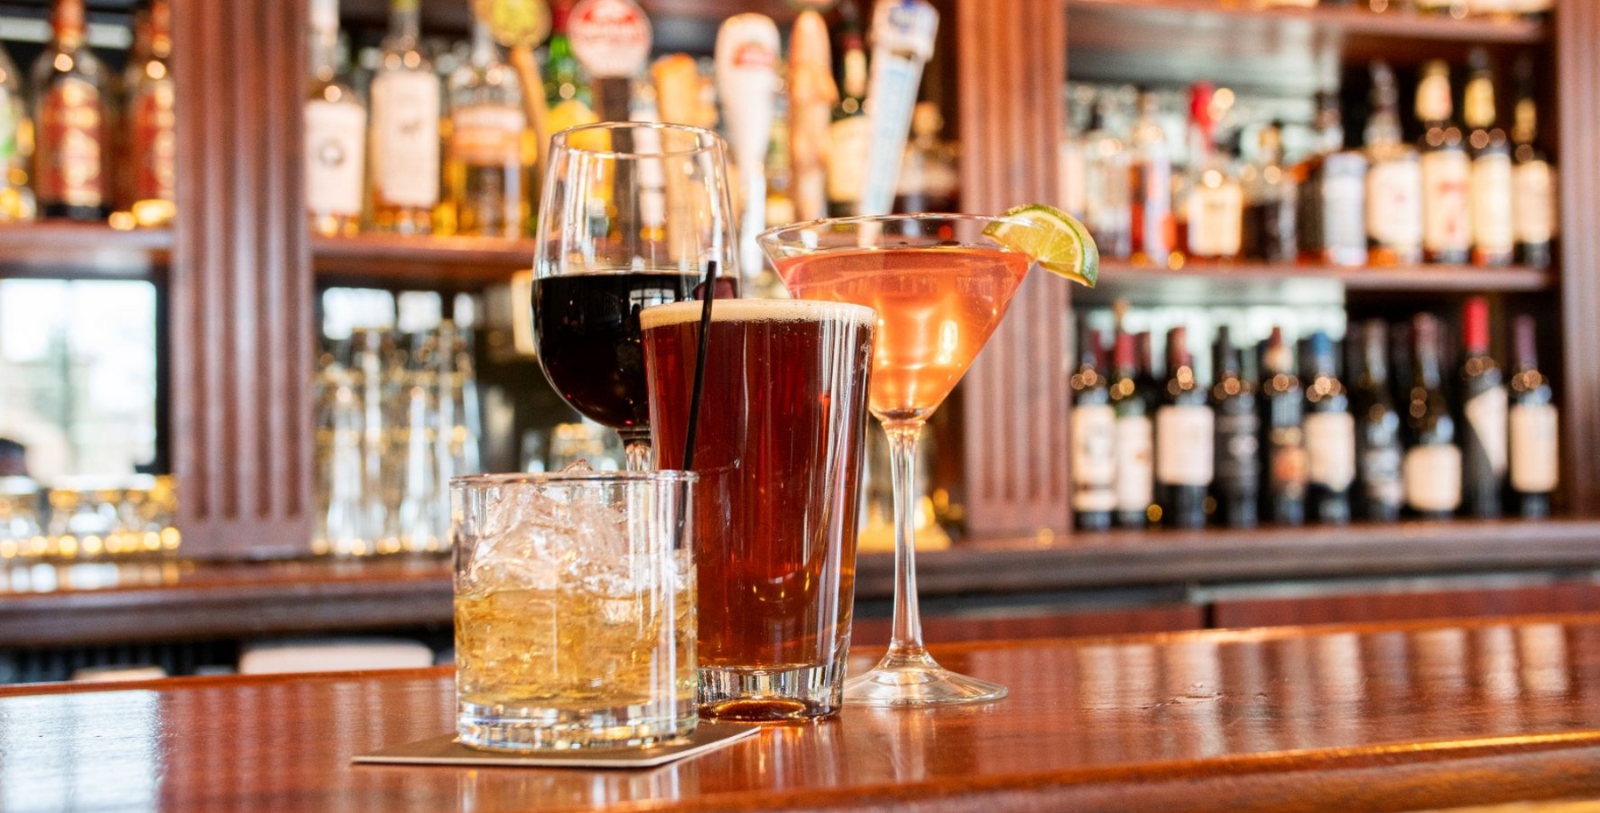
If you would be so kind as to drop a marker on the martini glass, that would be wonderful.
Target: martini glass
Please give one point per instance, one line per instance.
(940, 287)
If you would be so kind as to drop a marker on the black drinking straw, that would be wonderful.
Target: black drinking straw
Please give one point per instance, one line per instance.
(709, 287)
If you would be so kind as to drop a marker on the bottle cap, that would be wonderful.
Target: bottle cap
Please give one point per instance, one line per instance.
(1475, 326)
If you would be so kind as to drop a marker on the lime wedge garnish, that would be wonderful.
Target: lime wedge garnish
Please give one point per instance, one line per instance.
(1054, 239)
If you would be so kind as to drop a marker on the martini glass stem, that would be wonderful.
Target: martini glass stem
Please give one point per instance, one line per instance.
(906, 643)
(636, 445)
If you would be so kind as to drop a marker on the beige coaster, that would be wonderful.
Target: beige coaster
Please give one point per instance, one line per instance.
(446, 751)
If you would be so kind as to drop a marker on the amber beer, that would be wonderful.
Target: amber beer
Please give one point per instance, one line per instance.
(778, 452)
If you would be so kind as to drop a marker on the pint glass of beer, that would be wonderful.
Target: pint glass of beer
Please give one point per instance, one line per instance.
(778, 452)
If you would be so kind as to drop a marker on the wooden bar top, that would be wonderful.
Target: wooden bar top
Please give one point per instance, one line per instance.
(96, 602)
(1376, 717)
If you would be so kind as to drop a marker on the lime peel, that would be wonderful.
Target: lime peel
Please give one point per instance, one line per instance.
(1054, 239)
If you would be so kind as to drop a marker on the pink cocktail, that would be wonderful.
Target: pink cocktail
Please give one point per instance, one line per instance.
(940, 287)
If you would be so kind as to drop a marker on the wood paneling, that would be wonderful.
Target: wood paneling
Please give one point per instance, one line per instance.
(241, 282)
(1010, 64)
(952, 629)
(68, 250)
(1370, 718)
(1577, 29)
(406, 262)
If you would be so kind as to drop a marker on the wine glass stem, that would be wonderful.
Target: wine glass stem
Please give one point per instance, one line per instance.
(907, 636)
(636, 445)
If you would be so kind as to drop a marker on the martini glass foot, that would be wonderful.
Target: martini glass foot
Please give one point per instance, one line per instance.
(916, 680)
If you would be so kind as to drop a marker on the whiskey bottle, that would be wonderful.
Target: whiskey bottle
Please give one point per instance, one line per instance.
(1446, 172)
(152, 139)
(1150, 185)
(69, 99)
(404, 151)
(486, 170)
(335, 133)
(850, 133)
(1331, 185)
(17, 203)
(1269, 222)
(1533, 206)
(1211, 214)
(1493, 227)
(1394, 180)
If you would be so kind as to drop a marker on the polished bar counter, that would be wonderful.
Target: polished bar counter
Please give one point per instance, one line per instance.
(1377, 717)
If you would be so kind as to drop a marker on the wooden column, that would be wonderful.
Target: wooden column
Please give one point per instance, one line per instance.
(241, 283)
(1577, 79)
(1011, 63)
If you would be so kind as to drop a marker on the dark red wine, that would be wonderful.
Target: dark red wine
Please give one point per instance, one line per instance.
(1185, 434)
(1432, 464)
(1533, 424)
(1094, 421)
(587, 329)
(1237, 485)
(1283, 448)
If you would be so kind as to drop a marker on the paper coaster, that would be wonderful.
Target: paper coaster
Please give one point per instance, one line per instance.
(446, 751)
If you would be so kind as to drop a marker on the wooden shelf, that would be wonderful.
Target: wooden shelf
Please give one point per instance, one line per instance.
(1246, 283)
(399, 261)
(94, 603)
(68, 250)
(1236, 44)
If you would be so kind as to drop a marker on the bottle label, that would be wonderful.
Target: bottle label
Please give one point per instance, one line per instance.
(1155, 195)
(1344, 203)
(1072, 180)
(1534, 208)
(1534, 468)
(1236, 448)
(1331, 449)
(405, 138)
(487, 135)
(610, 37)
(1094, 462)
(1433, 92)
(1184, 445)
(154, 144)
(1394, 204)
(1380, 472)
(1135, 486)
(1433, 477)
(1216, 220)
(70, 155)
(335, 154)
(1446, 187)
(1486, 415)
(1492, 221)
(1286, 460)
(847, 158)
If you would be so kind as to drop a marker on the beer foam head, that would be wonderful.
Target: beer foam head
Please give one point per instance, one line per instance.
(757, 310)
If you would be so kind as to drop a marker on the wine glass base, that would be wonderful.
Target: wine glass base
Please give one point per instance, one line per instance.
(902, 681)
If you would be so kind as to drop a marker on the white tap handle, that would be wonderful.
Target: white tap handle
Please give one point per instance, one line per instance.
(902, 42)
(747, 85)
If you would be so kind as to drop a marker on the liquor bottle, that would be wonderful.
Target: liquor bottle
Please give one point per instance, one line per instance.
(1331, 183)
(17, 203)
(1270, 196)
(850, 132)
(404, 179)
(1533, 425)
(1284, 449)
(1381, 493)
(929, 176)
(563, 77)
(1432, 464)
(1394, 180)
(1070, 154)
(1446, 171)
(1094, 425)
(1493, 227)
(1211, 215)
(1483, 410)
(1150, 187)
(69, 108)
(1330, 432)
(336, 132)
(1185, 434)
(485, 168)
(1107, 199)
(152, 148)
(1134, 439)
(1237, 485)
(1533, 209)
